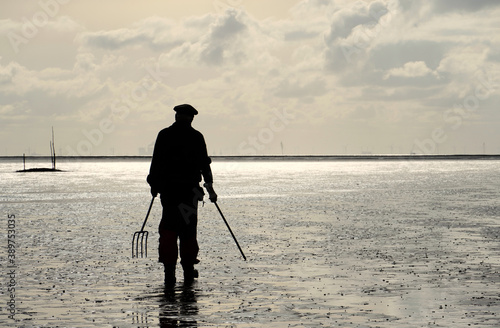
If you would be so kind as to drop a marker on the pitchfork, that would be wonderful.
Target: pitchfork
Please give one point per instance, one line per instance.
(141, 237)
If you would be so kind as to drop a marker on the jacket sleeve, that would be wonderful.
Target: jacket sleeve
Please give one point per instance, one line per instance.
(206, 171)
(154, 177)
(207, 174)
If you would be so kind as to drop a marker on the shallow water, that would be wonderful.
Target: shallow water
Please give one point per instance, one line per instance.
(329, 244)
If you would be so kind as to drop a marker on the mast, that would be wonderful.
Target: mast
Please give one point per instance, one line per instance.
(53, 151)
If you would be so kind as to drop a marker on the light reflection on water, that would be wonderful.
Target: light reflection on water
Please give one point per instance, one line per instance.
(360, 243)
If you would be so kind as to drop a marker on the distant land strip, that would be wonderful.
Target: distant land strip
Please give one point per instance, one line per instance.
(279, 157)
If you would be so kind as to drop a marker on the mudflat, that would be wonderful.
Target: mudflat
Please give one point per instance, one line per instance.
(328, 245)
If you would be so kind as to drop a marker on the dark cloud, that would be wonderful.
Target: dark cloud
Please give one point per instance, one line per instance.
(387, 56)
(223, 40)
(213, 54)
(229, 26)
(494, 56)
(442, 6)
(157, 34)
(352, 30)
(346, 20)
(115, 40)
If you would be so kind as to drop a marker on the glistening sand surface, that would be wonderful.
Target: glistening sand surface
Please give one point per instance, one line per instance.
(329, 244)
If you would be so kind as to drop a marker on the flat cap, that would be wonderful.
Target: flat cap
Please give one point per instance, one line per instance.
(186, 109)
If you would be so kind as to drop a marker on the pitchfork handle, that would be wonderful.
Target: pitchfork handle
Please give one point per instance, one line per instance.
(149, 210)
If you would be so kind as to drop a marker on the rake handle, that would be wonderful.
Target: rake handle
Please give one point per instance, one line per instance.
(147, 215)
(229, 228)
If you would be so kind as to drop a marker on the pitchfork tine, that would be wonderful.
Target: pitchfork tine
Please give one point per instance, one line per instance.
(143, 235)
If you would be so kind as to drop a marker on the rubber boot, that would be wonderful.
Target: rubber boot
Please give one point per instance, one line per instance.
(169, 275)
(190, 273)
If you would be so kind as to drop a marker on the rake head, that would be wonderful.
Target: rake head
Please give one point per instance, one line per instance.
(140, 244)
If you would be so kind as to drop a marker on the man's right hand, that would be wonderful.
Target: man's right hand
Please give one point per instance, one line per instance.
(154, 193)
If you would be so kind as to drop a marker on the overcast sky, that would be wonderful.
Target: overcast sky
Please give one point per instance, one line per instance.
(298, 77)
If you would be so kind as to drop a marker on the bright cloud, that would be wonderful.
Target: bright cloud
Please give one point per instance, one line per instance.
(411, 69)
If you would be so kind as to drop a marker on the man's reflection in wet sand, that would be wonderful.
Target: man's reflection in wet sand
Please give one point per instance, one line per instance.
(178, 307)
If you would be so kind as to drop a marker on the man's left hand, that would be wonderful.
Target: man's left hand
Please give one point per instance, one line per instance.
(212, 196)
(211, 193)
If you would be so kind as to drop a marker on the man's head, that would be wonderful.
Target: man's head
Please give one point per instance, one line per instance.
(185, 113)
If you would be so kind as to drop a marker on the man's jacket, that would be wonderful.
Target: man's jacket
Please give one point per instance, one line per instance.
(179, 158)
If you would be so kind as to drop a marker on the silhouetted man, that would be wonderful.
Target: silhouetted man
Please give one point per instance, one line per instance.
(179, 161)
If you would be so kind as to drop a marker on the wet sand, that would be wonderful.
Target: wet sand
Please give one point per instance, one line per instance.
(419, 250)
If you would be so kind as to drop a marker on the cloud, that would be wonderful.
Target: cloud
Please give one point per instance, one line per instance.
(346, 19)
(8, 72)
(353, 32)
(313, 8)
(28, 29)
(301, 89)
(224, 41)
(209, 39)
(227, 26)
(442, 6)
(155, 33)
(390, 55)
(53, 91)
(464, 59)
(409, 70)
(407, 43)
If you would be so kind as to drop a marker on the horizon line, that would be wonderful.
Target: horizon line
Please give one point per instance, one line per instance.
(277, 157)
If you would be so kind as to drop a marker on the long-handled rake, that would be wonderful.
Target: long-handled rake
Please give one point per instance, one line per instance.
(141, 237)
(229, 228)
